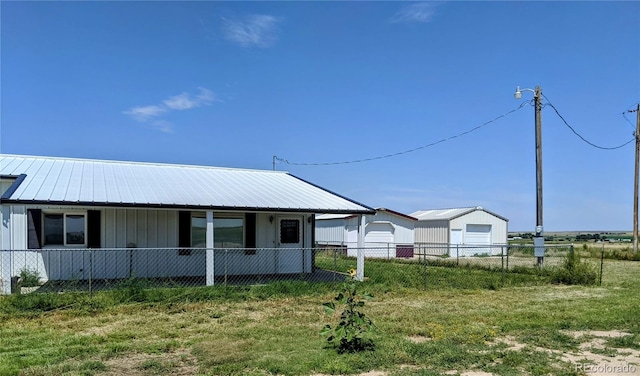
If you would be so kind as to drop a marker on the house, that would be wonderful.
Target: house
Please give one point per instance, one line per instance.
(460, 231)
(74, 219)
(387, 233)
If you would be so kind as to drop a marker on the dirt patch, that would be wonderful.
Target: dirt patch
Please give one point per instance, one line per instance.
(511, 343)
(596, 333)
(178, 363)
(593, 357)
(596, 358)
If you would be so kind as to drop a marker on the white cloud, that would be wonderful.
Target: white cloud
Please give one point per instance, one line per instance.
(151, 114)
(180, 102)
(144, 113)
(416, 12)
(256, 30)
(206, 96)
(186, 101)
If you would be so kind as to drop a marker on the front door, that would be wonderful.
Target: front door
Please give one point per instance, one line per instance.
(290, 240)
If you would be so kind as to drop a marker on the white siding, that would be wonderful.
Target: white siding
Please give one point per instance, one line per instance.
(331, 231)
(481, 217)
(384, 231)
(141, 243)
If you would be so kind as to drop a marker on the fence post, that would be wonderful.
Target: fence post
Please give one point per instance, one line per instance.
(335, 264)
(502, 260)
(90, 272)
(601, 264)
(508, 248)
(226, 262)
(424, 267)
(388, 254)
(361, 250)
(457, 255)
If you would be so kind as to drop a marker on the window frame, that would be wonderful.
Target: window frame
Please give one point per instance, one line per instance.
(64, 215)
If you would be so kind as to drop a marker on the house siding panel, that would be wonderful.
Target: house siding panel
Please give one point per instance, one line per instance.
(430, 233)
(331, 231)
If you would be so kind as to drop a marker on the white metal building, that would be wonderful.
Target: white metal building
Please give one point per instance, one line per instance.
(387, 233)
(70, 205)
(470, 228)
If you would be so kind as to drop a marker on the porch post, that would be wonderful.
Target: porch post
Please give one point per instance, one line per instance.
(360, 254)
(210, 269)
(5, 254)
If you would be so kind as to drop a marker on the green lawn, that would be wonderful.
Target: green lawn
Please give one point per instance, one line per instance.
(462, 319)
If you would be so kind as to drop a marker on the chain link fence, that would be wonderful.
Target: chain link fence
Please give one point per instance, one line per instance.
(61, 270)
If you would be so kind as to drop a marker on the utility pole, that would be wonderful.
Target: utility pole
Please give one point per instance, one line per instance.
(539, 238)
(635, 182)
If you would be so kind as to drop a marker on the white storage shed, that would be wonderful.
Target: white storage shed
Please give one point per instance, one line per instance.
(460, 231)
(387, 233)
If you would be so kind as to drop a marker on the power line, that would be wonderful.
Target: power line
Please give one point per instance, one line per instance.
(281, 160)
(579, 135)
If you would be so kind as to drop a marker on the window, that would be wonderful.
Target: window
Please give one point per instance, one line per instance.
(198, 231)
(290, 231)
(228, 232)
(64, 229)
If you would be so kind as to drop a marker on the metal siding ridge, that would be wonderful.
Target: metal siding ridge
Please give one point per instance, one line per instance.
(99, 192)
(86, 185)
(61, 183)
(37, 174)
(75, 182)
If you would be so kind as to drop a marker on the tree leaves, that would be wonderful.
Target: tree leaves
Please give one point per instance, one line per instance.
(347, 335)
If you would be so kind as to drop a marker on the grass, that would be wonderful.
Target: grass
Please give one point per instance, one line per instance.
(454, 323)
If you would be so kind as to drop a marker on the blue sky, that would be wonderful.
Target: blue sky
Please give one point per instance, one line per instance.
(235, 83)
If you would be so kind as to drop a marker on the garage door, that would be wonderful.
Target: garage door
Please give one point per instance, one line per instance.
(379, 233)
(378, 239)
(477, 235)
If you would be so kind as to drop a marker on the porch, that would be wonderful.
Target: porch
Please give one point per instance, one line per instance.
(60, 270)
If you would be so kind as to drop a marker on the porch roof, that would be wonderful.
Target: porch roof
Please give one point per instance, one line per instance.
(87, 182)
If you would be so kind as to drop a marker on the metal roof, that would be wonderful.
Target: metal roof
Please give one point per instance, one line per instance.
(448, 214)
(69, 181)
(378, 210)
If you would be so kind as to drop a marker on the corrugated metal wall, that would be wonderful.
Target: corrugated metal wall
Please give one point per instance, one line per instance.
(331, 231)
(432, 232)
(139, 228)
